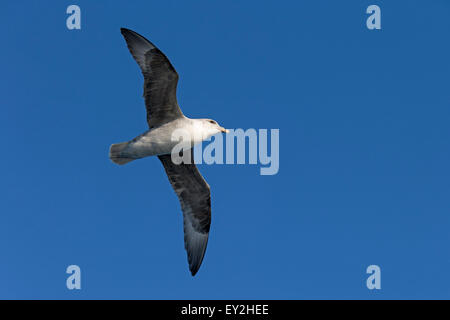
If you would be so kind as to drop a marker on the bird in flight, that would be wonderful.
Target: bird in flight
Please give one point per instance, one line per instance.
(164, 116)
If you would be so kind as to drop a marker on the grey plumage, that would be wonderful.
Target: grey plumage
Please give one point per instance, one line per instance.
(194, 195)
(117, 155)
(160, 79)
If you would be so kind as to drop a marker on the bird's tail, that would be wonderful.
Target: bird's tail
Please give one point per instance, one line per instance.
(117, 154)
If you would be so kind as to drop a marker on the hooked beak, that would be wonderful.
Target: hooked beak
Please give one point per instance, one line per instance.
(224, 130)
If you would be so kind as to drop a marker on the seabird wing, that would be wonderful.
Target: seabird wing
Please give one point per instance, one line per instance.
(194, 195)
(160, 79)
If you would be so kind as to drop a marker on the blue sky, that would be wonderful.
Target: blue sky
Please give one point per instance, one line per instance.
(364, 150)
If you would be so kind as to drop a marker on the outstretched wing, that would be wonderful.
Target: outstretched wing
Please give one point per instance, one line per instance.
(194, 195)
(160, 79)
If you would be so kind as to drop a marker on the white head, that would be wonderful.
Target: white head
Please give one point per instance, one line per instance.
(211, 127)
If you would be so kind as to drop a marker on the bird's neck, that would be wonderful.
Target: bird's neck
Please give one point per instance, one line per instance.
(199, 131)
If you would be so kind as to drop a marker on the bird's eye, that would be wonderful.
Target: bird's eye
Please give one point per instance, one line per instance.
(212, 121)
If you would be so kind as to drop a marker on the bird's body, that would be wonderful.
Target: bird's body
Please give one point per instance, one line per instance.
(164, 118)
(160, 140)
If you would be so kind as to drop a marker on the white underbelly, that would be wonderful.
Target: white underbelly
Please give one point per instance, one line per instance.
(163, 140)
(150, 145)
(154, 143)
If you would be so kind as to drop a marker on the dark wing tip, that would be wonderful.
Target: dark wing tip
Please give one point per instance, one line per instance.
(196, 252)
(195, 266)
(127, 32)
(194, 271)
(130, 34)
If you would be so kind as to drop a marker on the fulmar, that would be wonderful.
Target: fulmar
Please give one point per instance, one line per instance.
(163, 117)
